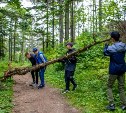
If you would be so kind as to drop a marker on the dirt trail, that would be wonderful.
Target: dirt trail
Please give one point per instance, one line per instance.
(32, 100)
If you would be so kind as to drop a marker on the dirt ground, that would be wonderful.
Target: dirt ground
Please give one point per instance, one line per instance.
(32, 100)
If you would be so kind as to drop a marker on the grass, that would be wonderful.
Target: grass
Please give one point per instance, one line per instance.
(6, 97)
(6, 92)
(91, 76)
(90, 96)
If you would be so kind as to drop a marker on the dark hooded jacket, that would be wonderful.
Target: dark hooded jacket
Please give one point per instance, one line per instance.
(70, 63)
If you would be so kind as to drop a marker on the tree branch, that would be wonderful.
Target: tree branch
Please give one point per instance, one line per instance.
(24, 70)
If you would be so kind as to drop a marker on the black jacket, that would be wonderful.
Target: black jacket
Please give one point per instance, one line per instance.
(32, 60)
(70, 63)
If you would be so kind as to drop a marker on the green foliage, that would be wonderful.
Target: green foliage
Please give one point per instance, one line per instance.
(6, 91)
(6, 97)
(90, 95)
(91, 76)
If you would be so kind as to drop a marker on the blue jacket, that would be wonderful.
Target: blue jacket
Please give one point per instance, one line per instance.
(117, 58)
(40, 58)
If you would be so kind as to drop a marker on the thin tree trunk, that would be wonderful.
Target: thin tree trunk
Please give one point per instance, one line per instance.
(10, 41)
(2, 45)
(9, 48)
(43, 44)
(66, 20)
(94, 3)
(100, 15)
(11, 55)
(78, 28)
(1, 41)
(83, 19)
(61, 21)
(96, 28)
(53, 26)
(47, 40)
(0, 38)
(22, 48)
(72, 22)
(15, 28)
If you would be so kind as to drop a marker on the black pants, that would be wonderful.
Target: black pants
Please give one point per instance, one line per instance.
(69, 78)
(35, 76)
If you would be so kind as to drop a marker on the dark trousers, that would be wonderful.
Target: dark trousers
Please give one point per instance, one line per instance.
(121, 84)
(69, 78)
(35, 76)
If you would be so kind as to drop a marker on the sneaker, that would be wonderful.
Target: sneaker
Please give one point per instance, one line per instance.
(123, 107)
(35, 85)
(65, 91)
(41, 86)
(111, 107)
(74, 88)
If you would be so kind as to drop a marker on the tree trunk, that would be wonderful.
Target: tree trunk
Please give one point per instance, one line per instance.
(47, 38)
(1, 41)
(43, 44)
(22, 71)
(15, 29)
(53, 25)
(22, 46)
(83, 20)
(94, 3)
(67, 20)
(100, 15)
(72, 22)
(10, 42)
(61, 21)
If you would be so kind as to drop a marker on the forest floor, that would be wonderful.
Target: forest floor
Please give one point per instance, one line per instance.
(27, 99)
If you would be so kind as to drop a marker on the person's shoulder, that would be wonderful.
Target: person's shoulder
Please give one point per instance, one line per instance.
(122, 43)
(40, 52)
(32, 55)
(118, 46)
(111, 48)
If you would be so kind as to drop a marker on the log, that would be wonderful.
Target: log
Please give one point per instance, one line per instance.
(24, 70)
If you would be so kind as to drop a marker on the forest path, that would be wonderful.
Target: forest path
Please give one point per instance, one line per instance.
(27, 99)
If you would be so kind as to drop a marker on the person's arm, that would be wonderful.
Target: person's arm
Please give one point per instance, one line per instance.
(73, 58)
(106, 51)
(42, 57)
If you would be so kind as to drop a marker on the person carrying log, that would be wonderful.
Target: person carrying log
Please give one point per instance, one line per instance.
(34, 74)
(117, 69)
(70, 66)
(40, 58)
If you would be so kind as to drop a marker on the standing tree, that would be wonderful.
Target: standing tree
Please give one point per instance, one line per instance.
(61, 20)
(67, 3)
(72, 26)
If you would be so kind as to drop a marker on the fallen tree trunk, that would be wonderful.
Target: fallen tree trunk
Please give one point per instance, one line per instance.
(22, 71)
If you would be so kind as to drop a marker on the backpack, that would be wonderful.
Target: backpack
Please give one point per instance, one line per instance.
(39, 60)
(43, 56)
